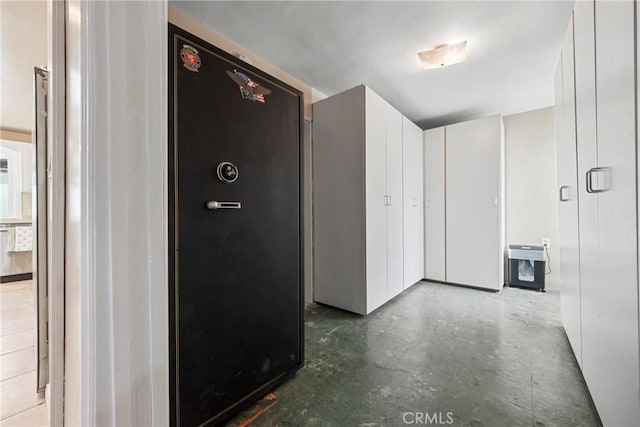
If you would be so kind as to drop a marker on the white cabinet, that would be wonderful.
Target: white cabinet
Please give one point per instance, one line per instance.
(374, 145)
(358, 201)
(434, 205)
(568, 197)
(469, 221)
(610, 305)
(395, 246)
(474, 235)
(603, 307)
(413, 205)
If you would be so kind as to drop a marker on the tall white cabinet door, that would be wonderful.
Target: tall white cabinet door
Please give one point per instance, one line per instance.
(568, 204)
(376, 192)
(474, 248)
(434, 205)
(610, 307)
(418, 215)
(412, 190)
(395, 249)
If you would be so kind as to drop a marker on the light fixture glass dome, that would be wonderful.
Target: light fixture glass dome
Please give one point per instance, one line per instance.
(443, 55)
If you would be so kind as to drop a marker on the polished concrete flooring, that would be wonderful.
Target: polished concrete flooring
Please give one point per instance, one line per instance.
(435, 354)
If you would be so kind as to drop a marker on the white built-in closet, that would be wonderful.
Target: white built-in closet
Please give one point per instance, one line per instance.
(412, 187)
(367, 201)
(464, 217)
(596, 124)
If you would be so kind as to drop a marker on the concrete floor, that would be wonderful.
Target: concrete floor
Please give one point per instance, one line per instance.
(472, 358)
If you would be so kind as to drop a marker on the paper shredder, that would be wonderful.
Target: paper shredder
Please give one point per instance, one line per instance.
(526, 266)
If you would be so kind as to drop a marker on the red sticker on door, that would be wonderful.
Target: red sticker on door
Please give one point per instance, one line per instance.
(190, 58)
(248, 88)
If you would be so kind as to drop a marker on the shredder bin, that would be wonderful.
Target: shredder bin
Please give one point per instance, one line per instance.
(526, 266)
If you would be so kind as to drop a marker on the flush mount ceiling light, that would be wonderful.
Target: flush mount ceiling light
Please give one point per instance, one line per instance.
(443, 55)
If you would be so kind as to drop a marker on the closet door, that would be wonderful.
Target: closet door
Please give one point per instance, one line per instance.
(434, 204)
(610, 307)
(395, 250)
(585, 86)
(412, 189)
(376, 192)
(568, 204)
(473, 190)
(418, 215)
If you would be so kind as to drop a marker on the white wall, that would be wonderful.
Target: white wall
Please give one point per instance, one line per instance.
(23, 45)
(531, 187)
(194, 26)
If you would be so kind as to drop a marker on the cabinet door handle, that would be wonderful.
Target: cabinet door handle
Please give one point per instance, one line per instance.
(599, 170)
(588, 181)
(389, 200)
(564, 198)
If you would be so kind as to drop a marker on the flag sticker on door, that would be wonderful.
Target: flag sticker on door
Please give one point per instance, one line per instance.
(248, 88)
(190, 58)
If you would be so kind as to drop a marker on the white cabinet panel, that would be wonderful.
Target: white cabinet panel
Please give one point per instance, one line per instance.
(610, 307)
(434, 204)
(413, 216)
(418, 219)
(597, 153)
(339, 205)
(568, 206)
(474, 242)
(585, 109)
(376, 192)
(395, 249)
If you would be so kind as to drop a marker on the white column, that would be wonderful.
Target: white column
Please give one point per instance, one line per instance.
(116, 363)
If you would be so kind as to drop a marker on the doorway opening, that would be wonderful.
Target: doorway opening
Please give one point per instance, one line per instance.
(24, 306)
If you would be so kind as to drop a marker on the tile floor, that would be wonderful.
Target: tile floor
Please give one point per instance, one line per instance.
(482, 358)
(20, 405)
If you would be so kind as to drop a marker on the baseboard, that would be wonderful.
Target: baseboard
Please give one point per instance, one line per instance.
(16, 277)
(479, 288)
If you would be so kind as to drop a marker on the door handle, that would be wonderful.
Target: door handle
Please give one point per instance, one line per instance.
(589, 183)
(564, 198)
(213, 204)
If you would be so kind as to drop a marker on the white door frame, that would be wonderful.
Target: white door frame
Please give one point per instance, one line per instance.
(56, 207)
(116, 280)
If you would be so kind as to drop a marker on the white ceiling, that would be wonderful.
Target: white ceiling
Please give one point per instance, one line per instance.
(332, 46)
(23, 45)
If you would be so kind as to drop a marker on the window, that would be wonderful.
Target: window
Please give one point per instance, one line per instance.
(16, 179)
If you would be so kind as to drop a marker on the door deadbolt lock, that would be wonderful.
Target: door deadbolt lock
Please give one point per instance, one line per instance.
(227, 172)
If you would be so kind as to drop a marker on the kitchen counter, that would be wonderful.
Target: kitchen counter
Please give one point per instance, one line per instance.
(12, 221)
(14, 265)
